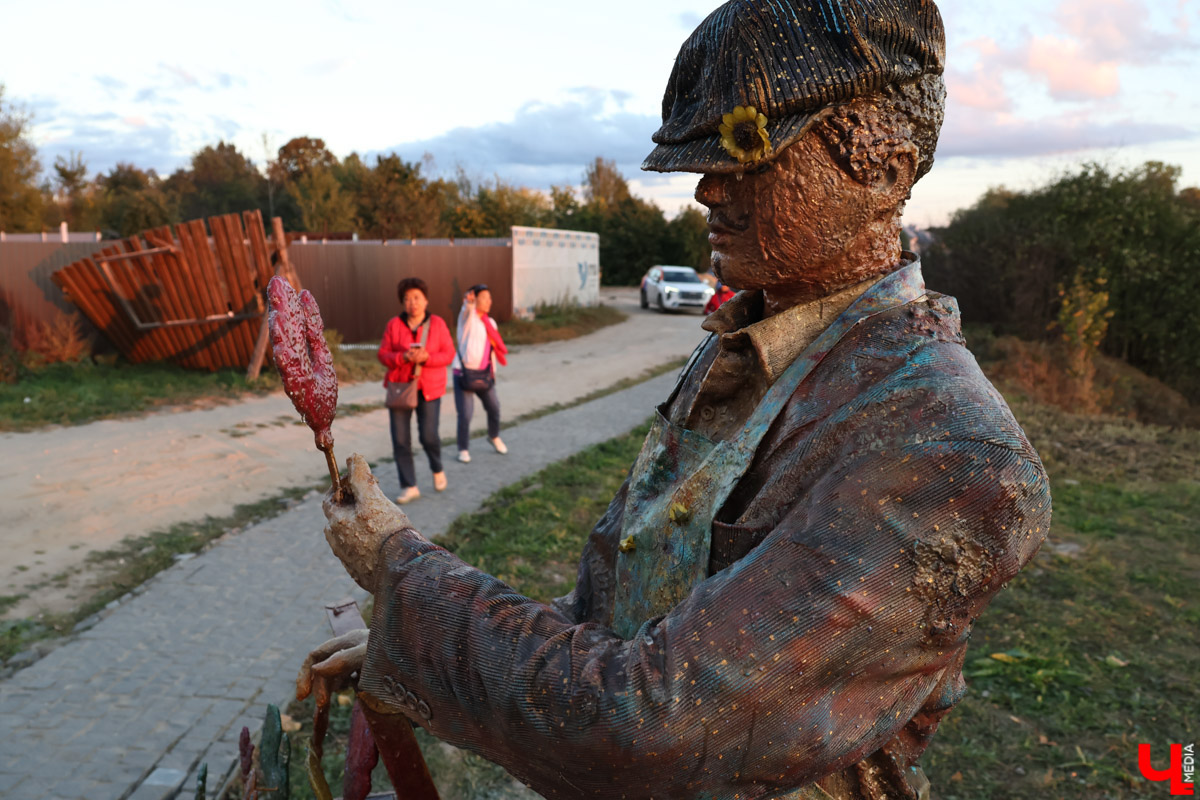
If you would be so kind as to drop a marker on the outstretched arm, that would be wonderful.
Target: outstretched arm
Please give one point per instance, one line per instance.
(801, 658)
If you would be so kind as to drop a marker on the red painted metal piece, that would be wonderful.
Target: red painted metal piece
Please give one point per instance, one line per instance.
(305, 364)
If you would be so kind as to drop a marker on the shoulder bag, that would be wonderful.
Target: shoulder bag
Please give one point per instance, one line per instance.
(402, 395)
(476, 380)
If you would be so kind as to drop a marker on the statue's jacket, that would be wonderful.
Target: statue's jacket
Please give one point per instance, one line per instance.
(887, 502)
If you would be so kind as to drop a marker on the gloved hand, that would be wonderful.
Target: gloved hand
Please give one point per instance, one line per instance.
(330, 667)
(358, 526)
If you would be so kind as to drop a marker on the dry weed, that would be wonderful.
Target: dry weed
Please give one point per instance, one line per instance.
(61, 340)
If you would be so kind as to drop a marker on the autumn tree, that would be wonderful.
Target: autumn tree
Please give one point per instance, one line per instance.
(564, 206)
(324, 206)
(1008, 257)
(299, 156)
(397, 202)
(21, 199)
(220, 181)
(296, 158)
(687, 235)
(76, 196)
(604, 187)
(133, 200)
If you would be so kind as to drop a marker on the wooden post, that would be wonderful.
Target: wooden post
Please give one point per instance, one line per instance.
(260, 350)
(282, 267)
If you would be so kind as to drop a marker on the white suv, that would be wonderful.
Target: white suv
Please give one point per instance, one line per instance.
(674, 287)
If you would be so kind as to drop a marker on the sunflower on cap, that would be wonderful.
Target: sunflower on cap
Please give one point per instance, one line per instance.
(756, 75)
(744, 134)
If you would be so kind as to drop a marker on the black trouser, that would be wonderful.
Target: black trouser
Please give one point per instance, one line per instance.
(428, 412)
(464, 404)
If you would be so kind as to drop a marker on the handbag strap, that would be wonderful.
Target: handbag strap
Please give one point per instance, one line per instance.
(424, 338)
(462, 359)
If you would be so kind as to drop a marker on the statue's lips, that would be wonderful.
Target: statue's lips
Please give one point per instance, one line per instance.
(721, 230)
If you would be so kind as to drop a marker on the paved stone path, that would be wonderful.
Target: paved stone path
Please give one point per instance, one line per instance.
(131, 707)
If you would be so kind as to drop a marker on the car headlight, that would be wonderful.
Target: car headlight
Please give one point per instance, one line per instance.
(671, 290)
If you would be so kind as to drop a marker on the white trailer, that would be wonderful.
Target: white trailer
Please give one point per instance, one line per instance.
(553, 266)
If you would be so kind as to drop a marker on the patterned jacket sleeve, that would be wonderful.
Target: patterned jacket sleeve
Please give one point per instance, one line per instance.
(797, 660)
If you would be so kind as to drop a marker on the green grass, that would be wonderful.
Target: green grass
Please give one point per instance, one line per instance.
(558, 321)
(7, 601)
(530, 534)
(85, 391)
(1089, 652)
(72, 394)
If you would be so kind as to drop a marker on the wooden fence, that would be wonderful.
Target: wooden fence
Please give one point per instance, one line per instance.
(354, 283)
(179, 298)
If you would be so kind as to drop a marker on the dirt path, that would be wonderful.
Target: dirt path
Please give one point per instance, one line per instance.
(71, 491)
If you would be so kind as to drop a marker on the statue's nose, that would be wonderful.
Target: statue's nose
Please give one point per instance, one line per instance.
(710, 191)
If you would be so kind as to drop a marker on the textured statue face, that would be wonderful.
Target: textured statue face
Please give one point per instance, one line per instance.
(802, 226)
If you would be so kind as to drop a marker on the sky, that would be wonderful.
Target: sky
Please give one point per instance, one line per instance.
(533, 90)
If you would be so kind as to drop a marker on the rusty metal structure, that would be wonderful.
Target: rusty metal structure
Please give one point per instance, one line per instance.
(181, 296)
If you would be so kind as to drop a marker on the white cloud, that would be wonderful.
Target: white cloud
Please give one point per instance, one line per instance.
(545, 143)
(1069, 71)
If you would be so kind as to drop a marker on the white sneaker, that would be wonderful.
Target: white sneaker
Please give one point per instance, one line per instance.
(499, 445)
(408, 495)
(464, 456)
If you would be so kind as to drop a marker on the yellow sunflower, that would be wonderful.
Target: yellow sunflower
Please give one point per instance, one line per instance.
(744, 134)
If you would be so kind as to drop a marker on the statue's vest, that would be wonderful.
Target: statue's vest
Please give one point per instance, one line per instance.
(681, 479)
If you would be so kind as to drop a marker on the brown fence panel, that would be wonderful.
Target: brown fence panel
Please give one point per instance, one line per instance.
(355, 283)
(197, 304)
(27, 293)
(207, 291)
(230, 245)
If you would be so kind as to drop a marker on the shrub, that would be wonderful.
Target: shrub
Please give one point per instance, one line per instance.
(61, 340)
(1083, 320)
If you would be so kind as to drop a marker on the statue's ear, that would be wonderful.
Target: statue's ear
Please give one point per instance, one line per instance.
(896, 179)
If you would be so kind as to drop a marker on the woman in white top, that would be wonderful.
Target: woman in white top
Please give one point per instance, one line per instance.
(479, 348)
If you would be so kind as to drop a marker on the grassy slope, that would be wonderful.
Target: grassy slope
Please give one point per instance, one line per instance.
(558, 322)
(74, 394)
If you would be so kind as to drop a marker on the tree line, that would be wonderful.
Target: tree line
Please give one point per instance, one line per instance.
(1096, 244)
(315, 191)
(1117, 250)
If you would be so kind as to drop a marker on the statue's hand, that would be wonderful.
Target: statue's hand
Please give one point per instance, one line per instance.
(331, 666)
(358, 525)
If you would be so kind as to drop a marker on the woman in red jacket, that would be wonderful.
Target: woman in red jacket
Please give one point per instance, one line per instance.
(417, 337)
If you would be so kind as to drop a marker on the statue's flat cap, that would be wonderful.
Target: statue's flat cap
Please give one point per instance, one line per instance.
(792, 60)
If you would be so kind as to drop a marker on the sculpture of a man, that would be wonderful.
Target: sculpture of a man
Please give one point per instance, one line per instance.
(778, 601)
